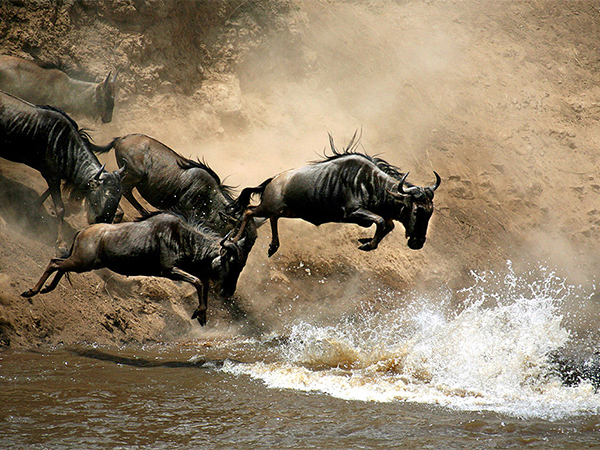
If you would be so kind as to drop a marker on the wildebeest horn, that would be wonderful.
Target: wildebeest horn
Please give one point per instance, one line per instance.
(400, 194)
(114, 78)
(121, 169)
(97, 176)
(437, 183)
(401, 184)
(226, 239)
(230, 245)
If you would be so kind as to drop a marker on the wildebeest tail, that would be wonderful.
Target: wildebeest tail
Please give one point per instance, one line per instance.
(104, 148)
(241, 203)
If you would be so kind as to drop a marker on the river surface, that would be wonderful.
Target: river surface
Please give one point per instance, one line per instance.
(420, 376)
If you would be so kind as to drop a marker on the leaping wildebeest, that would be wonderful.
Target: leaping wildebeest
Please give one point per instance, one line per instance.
(169, 181)
(48, 85)
(162, 245)
(346, 187)
(49, 141)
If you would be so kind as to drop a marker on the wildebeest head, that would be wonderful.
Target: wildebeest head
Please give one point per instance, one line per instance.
(103, 196)
(416, 207)
(105, 97)
(233, 257)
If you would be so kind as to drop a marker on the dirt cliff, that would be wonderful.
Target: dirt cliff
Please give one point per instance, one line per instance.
(500, 98)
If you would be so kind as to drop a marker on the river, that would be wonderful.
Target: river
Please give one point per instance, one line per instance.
(421, 376)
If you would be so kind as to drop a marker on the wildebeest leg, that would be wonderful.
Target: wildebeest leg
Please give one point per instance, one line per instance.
(201, 287)
(119, 213)
(52, 267)
(274, 245)
(43, 198)
(380, 233)
(59, 207)
(383, 227)
(54, 282)
(129, 181)
(129, 196)
(248, 215)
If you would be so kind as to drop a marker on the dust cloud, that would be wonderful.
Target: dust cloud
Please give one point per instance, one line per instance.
(497, 97)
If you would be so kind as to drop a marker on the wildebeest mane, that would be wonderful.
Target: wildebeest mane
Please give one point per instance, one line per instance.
(198, 225)
(352, 150)
(151, 214)
(187, 164)
(76, 186)
(187, 234)
(83, 132)
(63, 136)
(172, 212)
(69, 68)
(58, 64)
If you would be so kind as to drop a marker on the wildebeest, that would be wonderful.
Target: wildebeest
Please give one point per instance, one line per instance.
(168, 181)
(163, 245)
(49, 141)
(346, 187)
(50, 86)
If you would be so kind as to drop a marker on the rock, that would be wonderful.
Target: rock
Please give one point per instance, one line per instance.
(223, 94)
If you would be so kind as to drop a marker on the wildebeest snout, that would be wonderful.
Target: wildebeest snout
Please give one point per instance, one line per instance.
(416, 243)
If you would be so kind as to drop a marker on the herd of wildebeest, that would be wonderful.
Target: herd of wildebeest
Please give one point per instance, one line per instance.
(201, 231)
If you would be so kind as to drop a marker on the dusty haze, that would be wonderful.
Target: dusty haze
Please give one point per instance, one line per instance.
(500, 98)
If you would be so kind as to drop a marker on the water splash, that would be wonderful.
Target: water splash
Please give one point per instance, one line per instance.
(490, 353)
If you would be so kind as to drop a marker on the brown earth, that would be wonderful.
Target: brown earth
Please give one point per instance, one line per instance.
(500, 98)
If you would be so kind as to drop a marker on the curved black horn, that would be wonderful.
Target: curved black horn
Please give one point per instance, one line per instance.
(228, 244)
(226, 239)
(437, 183)
(400, 186)
(114, 77)
(121, 169)
(97, 176)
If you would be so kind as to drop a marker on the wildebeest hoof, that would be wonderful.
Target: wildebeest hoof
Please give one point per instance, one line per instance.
(364, 240)
(200, 315)
(368, 246)
(273, 249)
(28, 293)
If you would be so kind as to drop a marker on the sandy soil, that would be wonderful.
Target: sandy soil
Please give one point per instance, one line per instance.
(500, 98)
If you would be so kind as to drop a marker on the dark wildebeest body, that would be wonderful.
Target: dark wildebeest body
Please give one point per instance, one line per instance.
(168, 181)
(49, 141)
(51, 86)
(346, 187)
(162, 245)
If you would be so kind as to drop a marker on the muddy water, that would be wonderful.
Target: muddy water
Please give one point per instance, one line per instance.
(420, 376)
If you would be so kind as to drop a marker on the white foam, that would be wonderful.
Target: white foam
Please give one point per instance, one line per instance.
(489, 355)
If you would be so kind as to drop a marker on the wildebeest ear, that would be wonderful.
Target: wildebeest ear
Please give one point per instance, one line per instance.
(397, 195)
